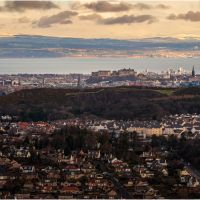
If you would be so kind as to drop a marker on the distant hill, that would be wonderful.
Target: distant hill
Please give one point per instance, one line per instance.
(110, 103)
(44, 46)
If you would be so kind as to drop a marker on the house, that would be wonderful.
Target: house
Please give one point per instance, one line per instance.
(115, 162)
(140, 189)
(193, 182)
(168, 130)
(150, 194)
(73, 171)
(87, 168)
(128, 183)
(22, 153)
(123, 168)
(5, 175)
(147, 128)
(72, 183)
(95, 154)
(47, 186)
(161, 162)
(28, 169)
(141, 186)
(15, 165)
(53, 175)
(63, 196)
(22, 196)
(98, 182)
(28, 186)
(165, 172)
(72, 168)
(184, 176)
(2, 183)
(70, 189)
(47, 189)
(145, 173)
(149, 162)
(112, 194)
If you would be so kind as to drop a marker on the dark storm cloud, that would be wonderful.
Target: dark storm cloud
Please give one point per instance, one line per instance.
(20, 6)
(60, 18)
(104, 6)
(189, 16)
(128, 19)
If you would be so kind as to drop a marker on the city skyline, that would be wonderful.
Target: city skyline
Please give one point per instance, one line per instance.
(101, 19)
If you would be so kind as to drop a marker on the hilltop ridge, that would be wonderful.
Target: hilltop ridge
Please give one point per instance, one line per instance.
(110, 103)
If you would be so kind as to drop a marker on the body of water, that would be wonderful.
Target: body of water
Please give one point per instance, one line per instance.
(87, 65)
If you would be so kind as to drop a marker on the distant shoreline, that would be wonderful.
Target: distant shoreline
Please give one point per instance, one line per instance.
(83, 65)
(103, 57)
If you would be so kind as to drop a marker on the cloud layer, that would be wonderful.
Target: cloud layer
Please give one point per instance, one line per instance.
(162, 6)
(189, 16)
(20, 6)
(100, 18)
(92, 17)
(142, 6)
(128, 19)
(24, 20)
(104, 6)
(60, 18)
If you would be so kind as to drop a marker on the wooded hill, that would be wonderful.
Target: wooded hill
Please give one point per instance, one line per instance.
(110, 103)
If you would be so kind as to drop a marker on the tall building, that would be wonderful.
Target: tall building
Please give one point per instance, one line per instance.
(79, 81)
(126, 72)
(180, 71)
(43, 82)
(193, 72)
(19, 81)
(102, 73)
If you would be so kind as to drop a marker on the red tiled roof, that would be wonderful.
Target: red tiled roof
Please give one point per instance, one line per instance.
(70, 189)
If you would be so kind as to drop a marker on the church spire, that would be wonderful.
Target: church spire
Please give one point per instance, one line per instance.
(193, 72)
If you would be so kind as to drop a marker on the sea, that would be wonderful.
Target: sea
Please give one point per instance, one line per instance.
(88, 65)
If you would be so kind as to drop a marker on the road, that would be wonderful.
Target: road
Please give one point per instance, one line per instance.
(122, 190)
(194, 172)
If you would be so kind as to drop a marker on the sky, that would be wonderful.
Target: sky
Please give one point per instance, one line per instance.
(101, 19)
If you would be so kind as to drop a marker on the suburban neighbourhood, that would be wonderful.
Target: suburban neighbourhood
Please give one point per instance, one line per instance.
(34, 160)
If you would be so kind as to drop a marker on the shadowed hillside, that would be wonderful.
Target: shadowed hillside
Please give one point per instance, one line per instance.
(111, 103)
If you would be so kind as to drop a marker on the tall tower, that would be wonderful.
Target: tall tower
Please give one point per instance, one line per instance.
(79, 82)
(43, 82)
(19, 81)
(193, 72)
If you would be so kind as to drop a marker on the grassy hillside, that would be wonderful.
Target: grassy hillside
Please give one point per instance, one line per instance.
(111, 103)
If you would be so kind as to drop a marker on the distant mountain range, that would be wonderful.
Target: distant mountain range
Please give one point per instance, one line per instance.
(44, 46)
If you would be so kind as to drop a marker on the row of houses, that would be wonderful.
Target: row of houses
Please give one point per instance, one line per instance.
(187, 125)
(179, 125)
(73, 177)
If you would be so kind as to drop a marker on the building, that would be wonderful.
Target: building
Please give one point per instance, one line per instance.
(79, 81)
(193, 72)
(195, 78)
(121, 72)
(127, 72)
(148, 129)
(102, 73)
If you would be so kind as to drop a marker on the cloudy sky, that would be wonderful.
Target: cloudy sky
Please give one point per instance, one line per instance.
(101, 19)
